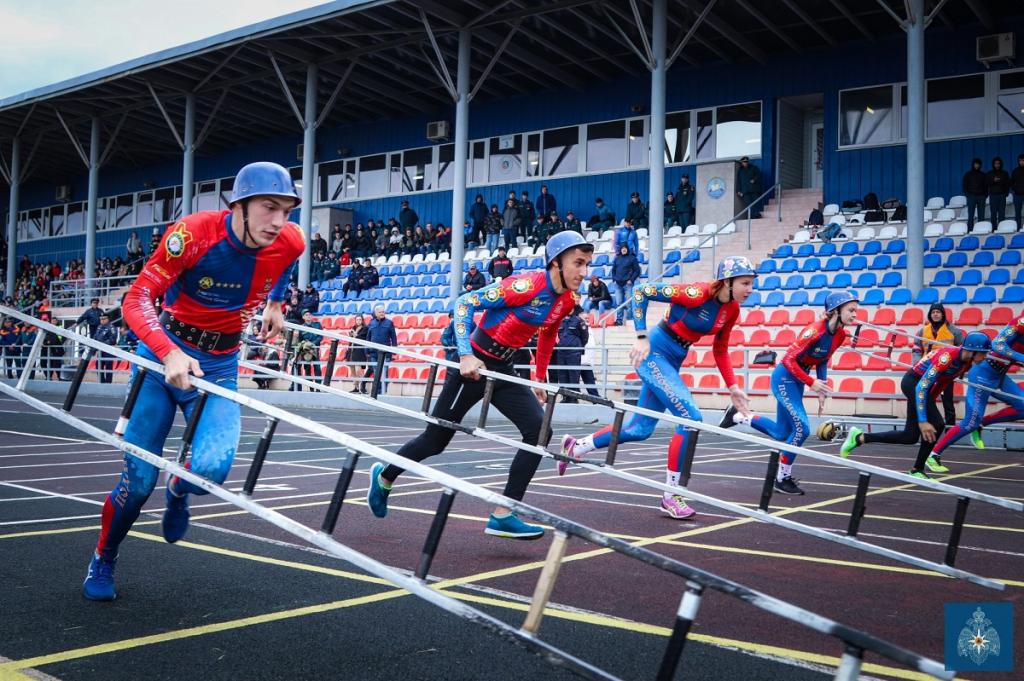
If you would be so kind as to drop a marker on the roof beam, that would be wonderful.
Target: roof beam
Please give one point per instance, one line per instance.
(678, 49)
(733, 35)
(752, 11)
(608, 57)
(809, 21)
(857, 23)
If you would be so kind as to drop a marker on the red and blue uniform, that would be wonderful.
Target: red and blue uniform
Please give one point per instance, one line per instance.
(812, 349)
(213, 283)
(695, 312)
(1007, 347)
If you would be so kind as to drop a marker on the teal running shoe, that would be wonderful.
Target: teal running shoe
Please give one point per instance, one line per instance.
(511, 527)
(377, 497)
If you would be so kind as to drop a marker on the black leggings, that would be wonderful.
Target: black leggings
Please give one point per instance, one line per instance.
(911, 433)
(516, 402)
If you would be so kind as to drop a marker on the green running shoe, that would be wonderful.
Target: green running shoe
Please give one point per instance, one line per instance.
(918, 474)
(850, 443)
(934, 464)
(977, 440)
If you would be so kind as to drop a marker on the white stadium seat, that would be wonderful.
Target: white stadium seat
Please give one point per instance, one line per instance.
(729, 228)
(957, 202)
(945, 215)
(1006, 226)
(865, 234)
(958, 229)
(887, 232)
(709, 228)
(935, 203)
(934, 230)
(691, 230)
(674, 230)
(983, 227)
(801, 237)
(830, 209)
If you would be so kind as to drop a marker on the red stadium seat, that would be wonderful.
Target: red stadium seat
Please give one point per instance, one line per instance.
(804, 318)
(394, 373)
(705, 341)
(783, 339)
(867, 338)
(741, 382)
(763, 383)
(851, 385)
(403, 337)
(409, 374)
(862, 314)
(875, 363)
(848, 361)
(710, 381)
(759, 339)
(884, 316)
(417, 338)
(779, 318)
(690, 360)
(903, 361)
(912, 316)
(1000, 316)
(688, 380)
(882, 389)
(736, 359)
(737, 337)
(341, 371)
(969, 316)
(707, 361)
(752, 318)
(991, 333)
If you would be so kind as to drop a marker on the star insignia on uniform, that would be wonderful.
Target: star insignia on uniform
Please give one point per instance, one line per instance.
(177, 240)
(206, 283)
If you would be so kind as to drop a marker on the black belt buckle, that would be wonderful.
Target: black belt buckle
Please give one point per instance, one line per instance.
(208, 340)
(685, 344)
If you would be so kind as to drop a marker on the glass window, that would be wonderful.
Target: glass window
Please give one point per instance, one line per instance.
(163, 204)
(561, 151)
(677, 137)
(121, 211)
(1010, 102)
(101, 213)
(57, 221)
(36, 228)
(903, 112)
(330, 185)
(373, 178)
(533, 155)
(76, 218)
(227, 186)
(206, 196)
(506, 158)
(418, 169)
(738, 130)
(956, 106)
(22, 226)
(864, 116)
(395, 174)
(477, 170)
(144, 209)
(705, 135)
(606, 145)
(446, 166)
(637, 143)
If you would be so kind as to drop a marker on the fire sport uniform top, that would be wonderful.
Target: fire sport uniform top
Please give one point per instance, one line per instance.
(937, 370)
(813, 348)
(209, 279)
(1009, 344)
(514, 310)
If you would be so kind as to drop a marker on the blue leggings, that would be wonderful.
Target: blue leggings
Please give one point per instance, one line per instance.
(984, 375)
(662, 390)
(213, 447)
(790, 425)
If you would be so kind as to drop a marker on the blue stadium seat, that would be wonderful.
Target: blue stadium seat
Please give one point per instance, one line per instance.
(691, 256)
(866, 280)
(994, 242)
(899, 296)
(786, 266)
(849, 248)
(842, 280)
(783, 251)
(376, 294)
(891, 280)
(1009, 259)
(810, 265)
(769, 283)
(797, 299)
(1019, 279)
(409, 268)
(932, 260)
(767, 266)
(753, 300)
(875, 296)
(881, 262)
(833, 264)
(434, 292)
(817, 281)
(983, 259)
(1013, 294)
(406, 307)
(983, 295)
(819, 298)
(943, 278)
(1017, 242)
(438, 306)
(956, 295)
(422, 307)
(826, 250)
(536, 263)
(901, 262)
(968, 243)
(421, 268)
(793, 282)
(805, 251)
(601, 259)
(857, 263)
(942, 244)
(896, 246)
(774, 299)
(926, 296)
(598, 272)
(391, 307)
(969, 278)
(956, 260)
(1000, 276)
(872, 247)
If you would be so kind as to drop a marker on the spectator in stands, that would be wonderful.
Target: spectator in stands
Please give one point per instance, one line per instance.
(636, 210)
(671, 210)
(816, 220)
(686, 197)
(451, 351)
(598, 295)
(625, 272)
(354, 282)
(626, 236)
(527, 214)
(470, 234)
(53, 352)
(318, 245)
(345, 259)
(370, 275)
(395, 242)
(974, 188)
(335, 241)
(134, 246)
(294, 312)
(381, 331)
(106, 333)
(331, 267)
(26, 339)
(1017, 185)
(357, 353)
(154, 240)
(500, 265)
(572, 224)
(362, 244)
(441, 241)
(997, 181)
(422, 240)
(409, 246)
(748, 186)
(91, 317)
(380, 241)
(602, 219)
(539, 235)
(129, 341)
(407, 217)
(492, 228)
(474, 280)
(477, 214)
(9, 346)
(316, 268)
(511, 222)
(573, 336)
(938, 332)
(263, 355)
(546, 203)
(556, 224)
(307, 352)
(310, 300)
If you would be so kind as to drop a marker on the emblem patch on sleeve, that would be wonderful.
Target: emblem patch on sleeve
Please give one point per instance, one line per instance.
(522, 285)
(177, 240)
(693, 291)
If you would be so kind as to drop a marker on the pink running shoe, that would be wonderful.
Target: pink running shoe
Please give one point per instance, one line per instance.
(568, 443)
(675, 506)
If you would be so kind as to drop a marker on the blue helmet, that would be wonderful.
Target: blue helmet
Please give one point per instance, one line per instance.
(565, 241)
(735, 266)
(834, 301)
(976, 341)
(263, 179)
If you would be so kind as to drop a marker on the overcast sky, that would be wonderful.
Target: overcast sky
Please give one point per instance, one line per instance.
(46, 41)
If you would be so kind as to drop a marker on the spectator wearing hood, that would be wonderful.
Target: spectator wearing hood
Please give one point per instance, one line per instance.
(407, 217)
(997, 181)
(625, 272)
(938, 330)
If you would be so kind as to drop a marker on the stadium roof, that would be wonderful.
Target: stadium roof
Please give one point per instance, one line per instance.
(386, 51)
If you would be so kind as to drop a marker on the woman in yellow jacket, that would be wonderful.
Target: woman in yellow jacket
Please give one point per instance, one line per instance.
(938, 329)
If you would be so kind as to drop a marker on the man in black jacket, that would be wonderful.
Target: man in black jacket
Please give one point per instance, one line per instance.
(598, 295)
(625, 272)
(573, 336)
(748, 186)
(975, 190)
(500, 265)
(686, 197)
(1017, 185)
(474, 280)
(370, 275)
(91, 317)
(997, 181)
(105, 333)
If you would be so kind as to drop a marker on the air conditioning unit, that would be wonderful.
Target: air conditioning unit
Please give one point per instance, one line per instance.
(996, 47)
(300, 149)
(439, 131)
(63, 193)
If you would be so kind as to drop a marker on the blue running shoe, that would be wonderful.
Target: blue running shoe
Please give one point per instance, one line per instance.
(99, 580)
(511, 527)
(175, 521)
(377, 497)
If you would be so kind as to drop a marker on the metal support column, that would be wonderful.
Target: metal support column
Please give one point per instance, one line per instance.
(188, 155)
(90, 211)
(656, 156)
(308, 177)
(915, 145)
(12, 219)
(461, 150)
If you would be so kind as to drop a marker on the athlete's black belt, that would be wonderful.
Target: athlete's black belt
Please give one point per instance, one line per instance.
(207, 341)
(491, 347)
(683, 343)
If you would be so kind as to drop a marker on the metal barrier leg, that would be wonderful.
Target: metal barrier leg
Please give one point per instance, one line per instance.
(428, 392)
(259, 457)
(190, 427)
(289, 341)
(769, 480)
(691, 449)
(338, 498)
(545, 424)
(863, 480)
(546, 582)
(30, 361)
(129, 404)
(687, 612)
(485, 404)
(958, 527)
(331, 359)
(613, 443)
(850, 663)
(434, 536)
(76, 380)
